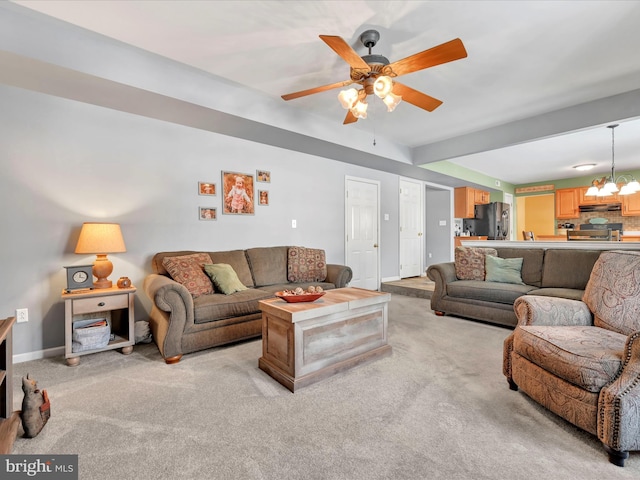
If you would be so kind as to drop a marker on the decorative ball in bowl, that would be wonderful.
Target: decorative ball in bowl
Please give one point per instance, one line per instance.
(311, 294)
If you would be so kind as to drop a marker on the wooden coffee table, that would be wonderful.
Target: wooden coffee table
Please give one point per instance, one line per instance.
(303, 343)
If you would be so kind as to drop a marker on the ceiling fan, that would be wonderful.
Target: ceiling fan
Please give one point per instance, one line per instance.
(374, 73)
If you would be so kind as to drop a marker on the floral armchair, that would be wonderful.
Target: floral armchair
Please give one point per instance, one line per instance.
(581, 360)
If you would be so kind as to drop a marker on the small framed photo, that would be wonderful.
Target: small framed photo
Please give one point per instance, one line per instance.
(206, 188)
(263, 176)
(263, 197)
(207, 213)
(238, 191)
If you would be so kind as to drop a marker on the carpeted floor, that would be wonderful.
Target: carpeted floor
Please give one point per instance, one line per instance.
(437, 408)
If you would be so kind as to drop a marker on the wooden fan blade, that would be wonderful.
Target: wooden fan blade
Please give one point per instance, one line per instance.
(311, 91)
(447, 52)
(344, 50)
(414, 97)
(350, 118)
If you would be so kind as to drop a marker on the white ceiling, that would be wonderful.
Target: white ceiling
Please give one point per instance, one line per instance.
(526, 60)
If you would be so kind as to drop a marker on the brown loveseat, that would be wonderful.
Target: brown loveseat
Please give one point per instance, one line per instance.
(182, 322)
(555, 272)
(581, 359)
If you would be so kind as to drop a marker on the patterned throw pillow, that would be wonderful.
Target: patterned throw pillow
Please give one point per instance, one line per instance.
(469, 262)
(188, 270)
(306, 265)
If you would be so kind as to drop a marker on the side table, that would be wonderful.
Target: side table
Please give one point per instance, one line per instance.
(115, 304)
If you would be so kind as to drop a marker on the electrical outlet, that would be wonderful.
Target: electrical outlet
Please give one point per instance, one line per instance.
(22, 315)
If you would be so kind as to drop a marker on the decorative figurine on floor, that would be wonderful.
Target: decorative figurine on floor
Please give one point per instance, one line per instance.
(36, 408)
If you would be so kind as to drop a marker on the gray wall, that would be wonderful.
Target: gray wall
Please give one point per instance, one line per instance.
(64, 162)
(438, 237)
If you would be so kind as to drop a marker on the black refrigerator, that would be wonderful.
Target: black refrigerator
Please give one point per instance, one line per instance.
(491, 220)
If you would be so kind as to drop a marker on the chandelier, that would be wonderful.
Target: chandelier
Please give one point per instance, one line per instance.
(609, 185)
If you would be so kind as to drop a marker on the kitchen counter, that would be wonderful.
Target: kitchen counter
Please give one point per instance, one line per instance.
(627, 245)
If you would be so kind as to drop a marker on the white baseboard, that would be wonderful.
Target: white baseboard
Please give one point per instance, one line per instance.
(38, 354)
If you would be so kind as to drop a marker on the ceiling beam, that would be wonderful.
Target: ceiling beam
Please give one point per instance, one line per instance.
(559, 122)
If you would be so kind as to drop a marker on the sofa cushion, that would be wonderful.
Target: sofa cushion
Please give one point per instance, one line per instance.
(503, 270)
(564, 268)
(532, 259)
(187, 270)
(470, 263)
(570, 293)
(214, 307)
(588, 357)
(268, 265)
(613, 291)
(238, 261)
(224, 278)
(487, 291)
(306, 265)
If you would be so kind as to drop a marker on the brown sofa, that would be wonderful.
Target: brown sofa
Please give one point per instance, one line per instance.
(182, 323)
(554, 272)
(581, 359)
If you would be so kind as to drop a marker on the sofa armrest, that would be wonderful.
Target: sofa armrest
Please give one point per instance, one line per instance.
(441, 274)
(339, 275)
(552, 311)
(619, 402)
(171, 313)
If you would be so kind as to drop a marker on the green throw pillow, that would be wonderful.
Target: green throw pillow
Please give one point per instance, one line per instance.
(503, 270)
(224, 277)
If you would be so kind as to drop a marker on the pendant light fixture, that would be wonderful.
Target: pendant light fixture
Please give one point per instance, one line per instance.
(609, 185)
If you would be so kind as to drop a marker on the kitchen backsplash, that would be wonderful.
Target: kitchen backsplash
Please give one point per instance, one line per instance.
(628, 223)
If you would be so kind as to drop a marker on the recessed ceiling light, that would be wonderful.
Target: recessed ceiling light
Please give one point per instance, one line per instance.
(585, 166)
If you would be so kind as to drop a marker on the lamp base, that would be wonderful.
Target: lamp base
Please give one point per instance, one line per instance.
(102, 268)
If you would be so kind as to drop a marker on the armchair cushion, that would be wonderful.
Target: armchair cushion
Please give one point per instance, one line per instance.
(613, 291)
(585, 356)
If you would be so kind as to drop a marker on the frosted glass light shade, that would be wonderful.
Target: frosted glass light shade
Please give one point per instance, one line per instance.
(392, 101)
(592, 191)
(359, 110)
(348, 98)
(382, 86)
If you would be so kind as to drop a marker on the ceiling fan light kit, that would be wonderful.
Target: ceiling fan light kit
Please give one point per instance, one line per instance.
(606, 186)
(374, 73)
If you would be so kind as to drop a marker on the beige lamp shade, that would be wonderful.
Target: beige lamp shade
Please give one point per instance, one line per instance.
(101, 239)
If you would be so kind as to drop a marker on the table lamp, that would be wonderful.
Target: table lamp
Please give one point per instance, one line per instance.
(101, 239)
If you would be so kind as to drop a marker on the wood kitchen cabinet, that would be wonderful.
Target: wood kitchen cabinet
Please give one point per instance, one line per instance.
(465, 198)
(595, 200)
(630, 204)
(567, 203)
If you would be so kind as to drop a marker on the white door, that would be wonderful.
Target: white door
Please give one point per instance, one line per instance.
(411, 228)
(362, 213)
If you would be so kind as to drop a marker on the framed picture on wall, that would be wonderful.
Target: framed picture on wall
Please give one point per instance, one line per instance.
(206, 188)
(263, 176)
(238, 190)
(207, 213)
(263, 197)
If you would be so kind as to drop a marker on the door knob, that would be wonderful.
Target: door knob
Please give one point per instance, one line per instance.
(375, 245)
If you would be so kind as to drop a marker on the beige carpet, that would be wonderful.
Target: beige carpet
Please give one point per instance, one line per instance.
(437, 408)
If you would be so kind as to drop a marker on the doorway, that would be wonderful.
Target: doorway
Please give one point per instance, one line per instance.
(362, 211)
(411, 227)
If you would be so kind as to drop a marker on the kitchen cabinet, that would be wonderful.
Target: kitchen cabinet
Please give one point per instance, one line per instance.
(630, 204)
(594, 200)
(465, 198)
(457, 241)
(567, 203)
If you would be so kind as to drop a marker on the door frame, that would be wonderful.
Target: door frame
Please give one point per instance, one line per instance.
(347, 179)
